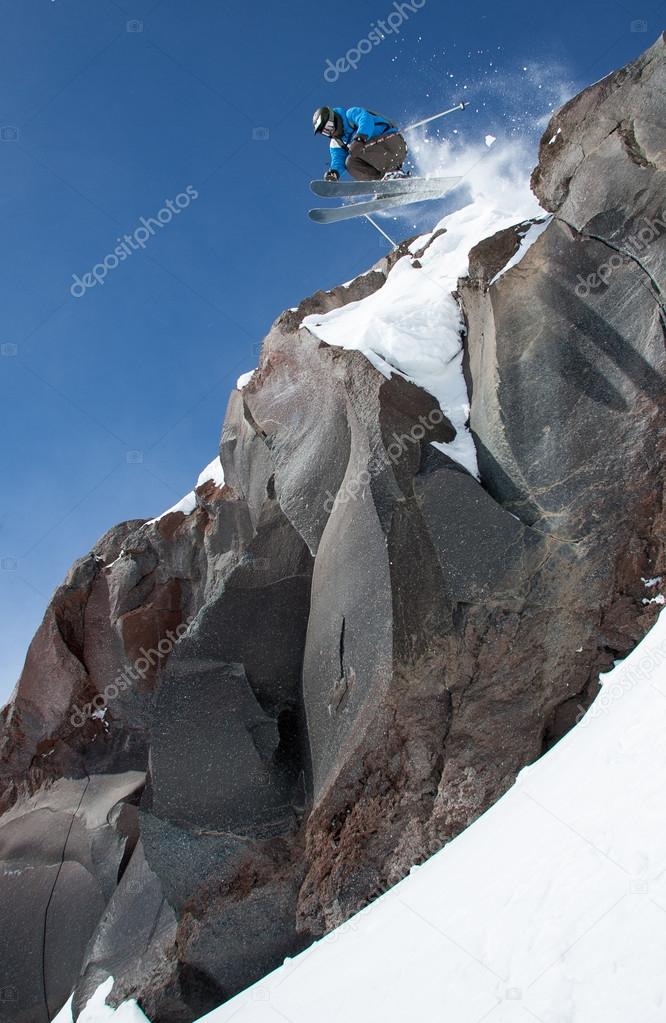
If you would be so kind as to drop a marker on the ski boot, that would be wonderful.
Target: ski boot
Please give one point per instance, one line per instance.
(395, 175)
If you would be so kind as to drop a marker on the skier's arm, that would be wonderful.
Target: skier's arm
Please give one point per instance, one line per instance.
(338, 156)
(365, 123)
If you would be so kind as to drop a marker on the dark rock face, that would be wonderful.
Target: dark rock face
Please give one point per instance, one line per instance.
(566, 351)
(61, 851)
(345, 654)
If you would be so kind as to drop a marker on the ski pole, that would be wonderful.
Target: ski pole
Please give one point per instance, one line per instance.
(419, 124)
(376, 225)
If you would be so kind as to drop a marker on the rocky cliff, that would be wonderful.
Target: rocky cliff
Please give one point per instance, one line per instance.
(242, 721)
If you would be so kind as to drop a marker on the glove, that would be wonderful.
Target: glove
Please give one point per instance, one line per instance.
(361, 138)
(331, 175)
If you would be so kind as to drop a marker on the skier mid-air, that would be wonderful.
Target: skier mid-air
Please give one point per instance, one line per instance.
(372, 150)
(365, 144)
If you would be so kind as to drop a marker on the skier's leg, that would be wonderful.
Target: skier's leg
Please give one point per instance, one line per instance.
(359, 168)
(398, 151)
(374, 159)
(386, 154)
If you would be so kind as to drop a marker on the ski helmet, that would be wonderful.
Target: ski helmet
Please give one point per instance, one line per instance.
(325, 121)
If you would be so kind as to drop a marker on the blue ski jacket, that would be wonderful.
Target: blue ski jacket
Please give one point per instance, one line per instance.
(356, 121)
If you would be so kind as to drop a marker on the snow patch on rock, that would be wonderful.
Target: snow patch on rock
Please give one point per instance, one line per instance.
(526, 242)
(97, 1011)
(187, 504)
(213, 472)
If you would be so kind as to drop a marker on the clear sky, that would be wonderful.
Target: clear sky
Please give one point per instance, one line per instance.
(113, 398)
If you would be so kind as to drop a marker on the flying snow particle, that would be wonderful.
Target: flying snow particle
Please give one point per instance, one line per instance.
(489, 140)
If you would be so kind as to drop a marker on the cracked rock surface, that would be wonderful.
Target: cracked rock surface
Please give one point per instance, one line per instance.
(338, 687)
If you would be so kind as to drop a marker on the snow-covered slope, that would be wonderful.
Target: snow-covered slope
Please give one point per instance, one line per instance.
(550, 907)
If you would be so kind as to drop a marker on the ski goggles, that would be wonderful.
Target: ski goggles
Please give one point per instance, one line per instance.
(329, 129)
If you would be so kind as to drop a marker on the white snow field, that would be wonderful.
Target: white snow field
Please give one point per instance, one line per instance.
(550, 907)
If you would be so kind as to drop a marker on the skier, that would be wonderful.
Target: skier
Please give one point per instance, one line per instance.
(362, 142)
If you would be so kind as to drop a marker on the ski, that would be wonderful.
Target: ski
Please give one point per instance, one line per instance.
(359, 209)
(395, 186)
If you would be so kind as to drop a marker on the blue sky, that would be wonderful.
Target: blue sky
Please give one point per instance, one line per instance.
(113, 400)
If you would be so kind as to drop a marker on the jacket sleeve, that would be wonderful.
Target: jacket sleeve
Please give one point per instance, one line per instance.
(338, 156)
(365, 123)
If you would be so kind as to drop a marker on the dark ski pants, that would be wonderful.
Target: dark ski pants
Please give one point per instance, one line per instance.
(371, 160)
